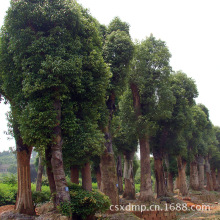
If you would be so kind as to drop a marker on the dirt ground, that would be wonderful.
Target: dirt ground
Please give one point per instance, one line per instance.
(6, 208)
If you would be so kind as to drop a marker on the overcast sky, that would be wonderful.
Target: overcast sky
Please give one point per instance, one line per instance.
(189, 27)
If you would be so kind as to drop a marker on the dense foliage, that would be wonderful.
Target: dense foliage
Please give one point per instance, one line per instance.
(85, 203)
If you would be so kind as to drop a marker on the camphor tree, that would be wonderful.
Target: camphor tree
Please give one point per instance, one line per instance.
(215, 161)
(184, 90)
(152, 99)
(206, 150)
(57, 55)
(198, 124)
(160, 153)
(117, 52)
(126, 141)
(11, 90)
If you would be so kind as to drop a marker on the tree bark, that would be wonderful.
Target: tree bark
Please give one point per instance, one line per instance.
(24, 203)
(119, 175)
(177, 183)
(200, 161)
(129, 191)
(170, 182)
(169, 176)
(214, 180)
(182, 175)
(209, 186)
(74, 174)
(159, 174)
(108, 168)
(194, 176)
(146, 192)
(50, 174)
(39, 173)
(219, 180)
(98, 177)
(86, 177)
(109, 177)
(62, 194)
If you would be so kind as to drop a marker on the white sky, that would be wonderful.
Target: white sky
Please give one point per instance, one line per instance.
(189, 27)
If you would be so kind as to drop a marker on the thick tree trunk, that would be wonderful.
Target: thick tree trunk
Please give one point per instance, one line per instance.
(74, 174)
(170, 185)
(159, 174)
(182, 175)
(214, 180)
(50, 174)
(194, 176)
(129, 191)
(146, 192)
(109, 177)
(169, 176)
(86, 177)
(119, 174)
(39, 173)
(62, 194)
(219, 180)
(24, 203)
(107, 163)
(200, 161)
(98, 177)
(209, 186)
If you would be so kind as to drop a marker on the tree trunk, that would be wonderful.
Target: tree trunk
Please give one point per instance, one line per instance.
(109, 177)
(107, 163)
(146, 192)
(24, 203)
(74, 174)
(214, 180)
(182, 175)
(86, 177)
(39, 173)
(119, 174)
(129, 192)
(98, 177)
(159, 174)
(177, 183)
(169, 176)
(62, 194)
(170, 182)
(209, 186)
(200, 161)
(50, 174)
(219, 180)
(194, 176)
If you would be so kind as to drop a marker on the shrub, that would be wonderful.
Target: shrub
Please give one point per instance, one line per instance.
(42, 196)
(10, 179)
(84, 203)
(8, 194)
(9, 187)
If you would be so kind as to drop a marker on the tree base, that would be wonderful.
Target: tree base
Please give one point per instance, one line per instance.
(109, 177)
(146, 197)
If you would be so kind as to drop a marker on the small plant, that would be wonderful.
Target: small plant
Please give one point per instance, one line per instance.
(84, 203)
